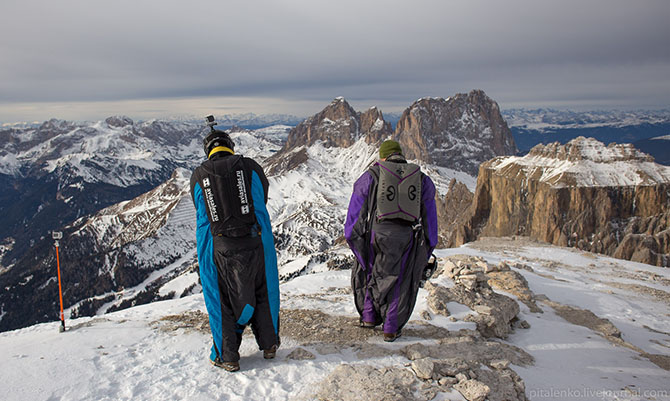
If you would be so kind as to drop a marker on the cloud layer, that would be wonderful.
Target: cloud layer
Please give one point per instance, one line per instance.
(291, 55)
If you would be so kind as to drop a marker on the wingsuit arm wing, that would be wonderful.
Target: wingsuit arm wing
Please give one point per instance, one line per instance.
(259, 194)
(207, 267)
(355, 227)
(429, 213)
(261, 176)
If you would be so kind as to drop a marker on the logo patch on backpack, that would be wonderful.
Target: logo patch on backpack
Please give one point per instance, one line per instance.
(242, 192)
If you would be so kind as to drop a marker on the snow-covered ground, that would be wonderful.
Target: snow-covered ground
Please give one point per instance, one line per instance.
(152, 351)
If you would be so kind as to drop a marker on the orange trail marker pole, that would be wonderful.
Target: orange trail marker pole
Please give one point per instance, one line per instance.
(56, 237)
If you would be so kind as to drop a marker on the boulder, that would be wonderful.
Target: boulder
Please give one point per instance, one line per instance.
(423, 368)
(473, 390)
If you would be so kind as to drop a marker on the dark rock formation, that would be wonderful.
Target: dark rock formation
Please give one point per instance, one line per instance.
(119, 121)
(339, 125)
(452, 214)
(459, 132)
(372, 123)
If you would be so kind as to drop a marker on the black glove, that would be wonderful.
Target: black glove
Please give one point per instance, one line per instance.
(428, 270)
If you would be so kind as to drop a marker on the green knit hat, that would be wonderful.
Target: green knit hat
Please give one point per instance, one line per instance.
(389, 148)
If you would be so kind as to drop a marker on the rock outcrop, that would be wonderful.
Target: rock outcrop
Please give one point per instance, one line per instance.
(339, 125)
(428, 361)
(607, 199)
(336, 125)
(459, 132)
(374, 126)
(452, 214)
(119, 121)
(495, 312)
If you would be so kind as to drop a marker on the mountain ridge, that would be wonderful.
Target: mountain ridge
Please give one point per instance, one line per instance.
(604, 199)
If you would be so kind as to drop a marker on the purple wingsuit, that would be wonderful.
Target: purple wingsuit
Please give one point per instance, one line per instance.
(390, 255)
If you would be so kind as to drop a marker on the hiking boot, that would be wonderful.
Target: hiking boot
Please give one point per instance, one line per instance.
(229, 366)
(270, 353)
(367, 325)
(390, 337)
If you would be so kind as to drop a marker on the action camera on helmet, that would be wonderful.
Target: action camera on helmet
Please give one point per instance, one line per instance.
(215, 137)
(210, 122)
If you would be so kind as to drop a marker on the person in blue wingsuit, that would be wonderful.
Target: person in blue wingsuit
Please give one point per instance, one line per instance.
(391, 227)
(236, 253)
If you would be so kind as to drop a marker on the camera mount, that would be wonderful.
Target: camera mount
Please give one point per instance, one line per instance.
(210, 122)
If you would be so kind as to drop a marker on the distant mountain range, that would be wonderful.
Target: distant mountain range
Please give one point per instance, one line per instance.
(548, 120)
(255, 121)
(543, 126)
(244, 120)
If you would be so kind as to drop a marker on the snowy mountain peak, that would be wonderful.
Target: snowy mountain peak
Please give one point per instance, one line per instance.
(587, 162)
(121, 243)
(582, 148)
(337, 125)
(55, 124)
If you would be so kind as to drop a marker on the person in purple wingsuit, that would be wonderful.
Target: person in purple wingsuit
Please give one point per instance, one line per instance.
(391, 227)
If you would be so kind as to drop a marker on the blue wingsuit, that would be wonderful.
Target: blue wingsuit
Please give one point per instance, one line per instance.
(238, 267)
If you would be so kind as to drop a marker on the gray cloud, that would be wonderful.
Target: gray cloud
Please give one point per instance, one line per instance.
(595, 53)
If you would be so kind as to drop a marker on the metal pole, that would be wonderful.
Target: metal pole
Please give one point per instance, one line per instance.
(60, 292)
(57, 236)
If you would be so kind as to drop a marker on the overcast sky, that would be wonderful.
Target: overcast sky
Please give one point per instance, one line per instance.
(88, 59)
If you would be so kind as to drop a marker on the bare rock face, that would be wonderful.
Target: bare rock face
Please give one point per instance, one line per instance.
(373, 125)
(514, 283)
(459, 132)
(471, 365)
(300, 354)
(462, 361)
(607, 199)
(452, 213)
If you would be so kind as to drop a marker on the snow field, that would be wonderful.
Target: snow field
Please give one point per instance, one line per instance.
(126, 355)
